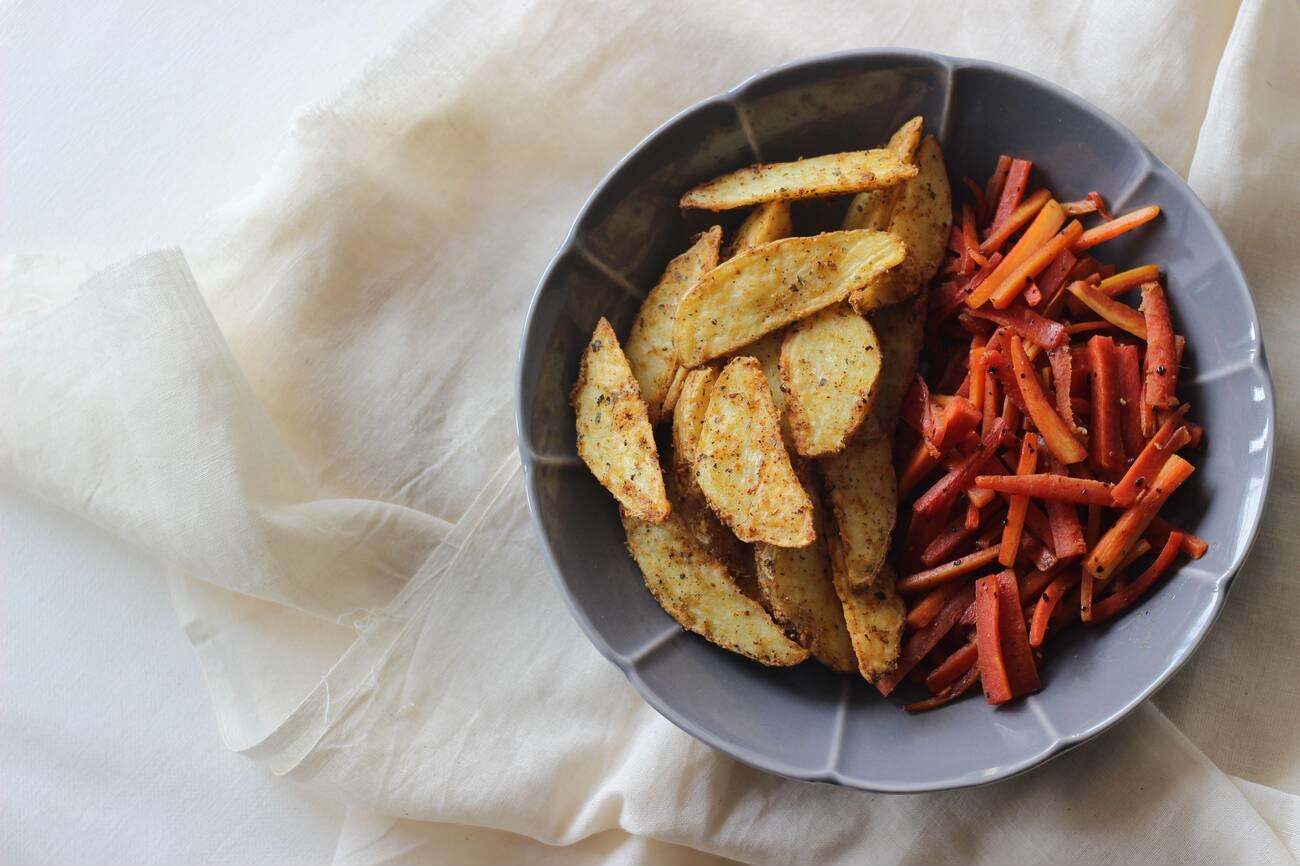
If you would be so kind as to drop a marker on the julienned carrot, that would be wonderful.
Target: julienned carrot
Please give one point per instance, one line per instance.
(924, 581)
(1087, 589)
(1013, 190)
(1096, 199)
(1026, 323)
(1017, 657)
(1038, 554)
(1051, 283)
(1020, 217)
(1128, 379)
(1130, 279)
(993, 192)
(1193, 545)
(951, 668)
(920, 643)
(1010, 546)
(1062, 376)
(1116, 227)
(948, 695)
(1034, 584)
(1063, 518)
(1124, 597)
(1105, 442)
(1046, 224)
(972, 257)
(957, 419)
(1001, 369)
(925, 610)
(946, 489)
(1162, 349)
(1110, 550)
(988, 640)
(1045, 485)
(1148, 462)
(1011, 285)
(977, 373)
(1047, 602)
(1060, 440)
(1119, 314)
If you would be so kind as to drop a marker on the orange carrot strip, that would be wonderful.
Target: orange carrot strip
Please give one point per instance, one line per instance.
(918, 646)
(993, 192)
(1012, 190)
(1119, 314)
(1105, 441)
(1102, 561)
(1080, 491)
(1116, 227)
(1028, 324)
(1149, 461)
(1051, 282)
(1017, 657)
(1019, 504)
(924, 611)
(1011, 285)
(1046, 224)
(1129, 382)
(1193, 545)
(1020, 217)
(951, 669)
(924, 581)
(1060, 441)
(946, 489)
(1059, 586)
(948, 541)
(973, 516)
(969, 239)
(1130, 279)
(948, 695)
(1123, 598)
(988, 641)
(958, 419)
(1162, 349)
(1060, 360)
(977, 373)
(1087, 589)
(1063, 518)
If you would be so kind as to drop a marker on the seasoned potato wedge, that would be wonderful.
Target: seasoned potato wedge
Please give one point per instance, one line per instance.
(615, 439)
(650, 342)
(901, 331)
(921, 216)
(863, 497)
(830, 362)
(742, 465)
(695, 589)
(872, 209)
(798, 589)
(674, 391)
(768, 287)
(874, 617)
(688, 414)
(818, 176)
(765, 223)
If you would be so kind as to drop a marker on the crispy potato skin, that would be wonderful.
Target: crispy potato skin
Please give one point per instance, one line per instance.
(875, 618)
(615, 439)
(765, 223)
(872, 209)
(696, 590)
(816, 177)
(830, 362)
(901, 331)
(863, 496)
(650, 342)
(766, 288)
(742, 465)
(799, 590)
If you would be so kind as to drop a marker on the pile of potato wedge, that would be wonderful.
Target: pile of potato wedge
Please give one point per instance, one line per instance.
(779, 363)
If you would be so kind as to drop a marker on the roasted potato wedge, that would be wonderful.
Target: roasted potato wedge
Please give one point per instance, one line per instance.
(922, 217)
(872, 209)
(696, 590)
(901, 331)
(766, 288)
(830, 362)
(742, 465)
(799, 590)
(874, 617)
(615, 439)
(674, 391)
(816, 177)
(765, 223)
(650, 342)
(863, 496)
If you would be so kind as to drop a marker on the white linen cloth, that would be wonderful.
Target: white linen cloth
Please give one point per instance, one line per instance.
(305, 415)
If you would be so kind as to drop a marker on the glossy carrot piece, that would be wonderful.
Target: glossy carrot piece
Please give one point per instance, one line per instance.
(1019, 504)
(1063, 518)
(1046, 224)
(1149, 461)
(951, 669)
(1013, 284)
(1162, 349)
(1013, 190)
(1116, 227)
(973, 516)
(988, 640)
(1046, 605)
(924, 611)
(1118, 313)
(972, 257)
(921, 642)
(946, 489)
(1046, 485)
(1128, 380)
(1060, 360)
(1105, 441)
(1119, 283)
(1017, 656)
(924, 581)
(1058, 437)
(1028, 324)
(977, 373)
(1102, 561)
(1124, 597)
(948, 695)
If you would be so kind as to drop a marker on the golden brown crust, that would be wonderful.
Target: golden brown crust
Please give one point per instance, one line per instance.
(816, 177)
(863, 497)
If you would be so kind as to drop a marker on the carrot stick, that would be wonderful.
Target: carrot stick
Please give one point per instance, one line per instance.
(1105, 442)
(1046, 224)
(993, 193)
(1150, 460)
(946, 489)
(924, 581)
(948, 695)
(1045, 485)
(974, 515)
(1087, 587)
(1017, 657)
(1130, 279)
(988, 640)
(1116, 227)
(949, 540)
(1111, 549)
(1162, 349)
(1060, 441)
(1026, 323)
(1011, 285)
(1004, 372)
(1193, 545)
(924, 611)
(1052, 281)
(1128, 381)
(1060, 361)
(951, 669)
(992, 401)
(1019, 504)
(1063, 518)
(918, 646)
(970, 241)
(1119, 314)
(1012, 191)
(1059, 586)
(1034, 584)
(1123, 598)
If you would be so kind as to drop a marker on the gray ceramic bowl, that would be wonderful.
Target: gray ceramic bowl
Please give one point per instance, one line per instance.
(808, 723)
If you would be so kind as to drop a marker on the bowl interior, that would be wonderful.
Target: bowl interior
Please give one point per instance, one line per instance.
(807, 722)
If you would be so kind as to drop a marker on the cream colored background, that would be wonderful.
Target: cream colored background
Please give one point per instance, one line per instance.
(302, 414)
